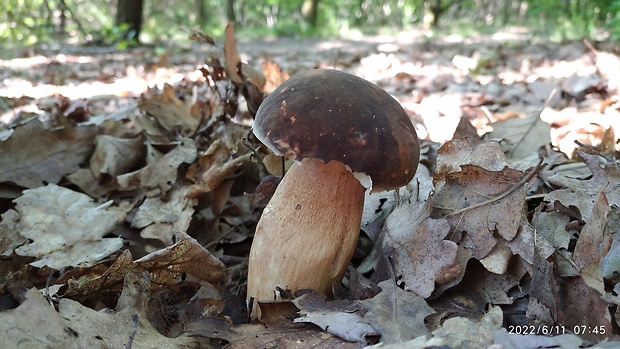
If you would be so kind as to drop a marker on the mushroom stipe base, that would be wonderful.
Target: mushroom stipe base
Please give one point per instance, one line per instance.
(307, 234)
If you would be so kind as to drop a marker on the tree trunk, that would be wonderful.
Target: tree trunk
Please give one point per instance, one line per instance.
(506, 11)
(310, 11)
(433, 10)
(129, 12)
(201, 12)
(230, 11)
(62, 26)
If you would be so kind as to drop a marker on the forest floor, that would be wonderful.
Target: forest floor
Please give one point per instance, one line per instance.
(131, 185)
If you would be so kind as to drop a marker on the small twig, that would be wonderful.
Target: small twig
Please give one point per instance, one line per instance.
(537, 119)
(590, 46)
(488, 114)
(254, 151)
(556, 251)
(48, 283)
(593, 150)
(510, 190)
(134, 330)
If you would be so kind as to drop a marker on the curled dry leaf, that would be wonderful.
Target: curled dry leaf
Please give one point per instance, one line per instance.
(593, 242)
(114, 156)
(377, 206)
(344, 318)
(66, 228)
(110, 281)
(465, 151)
(610, 265)
(157, 178)
(128, 323)
(213, 167)
(165, 266)
(170, 112)
(232, 61)
(273, 75)
(186, 256)
(34, 155)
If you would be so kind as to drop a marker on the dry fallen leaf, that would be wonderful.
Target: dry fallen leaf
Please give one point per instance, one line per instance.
(157, 178)
(169, 111)
(344, 319)
(610, 265)
(593, 243)
(232, 61)
(476, 229)
(544, 307)
(581, 193)
(465, 151)
(160, 217)
(397, 314)
(34, 155)
(552, 227)
(213, 167)
(273, 76)
(10, 239)
(521, 137)
(186, 257)
(114, 156)
(584, 306)
(66, 228)
(414, 243)
(457, 332)
(36, 324)
(286, 336)
(110, 281)
(551, 259)
(128, 322)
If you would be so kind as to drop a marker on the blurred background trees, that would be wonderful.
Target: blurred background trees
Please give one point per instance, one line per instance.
(108, 22)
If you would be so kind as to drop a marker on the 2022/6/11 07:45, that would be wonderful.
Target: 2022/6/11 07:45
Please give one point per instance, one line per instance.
(555, 330)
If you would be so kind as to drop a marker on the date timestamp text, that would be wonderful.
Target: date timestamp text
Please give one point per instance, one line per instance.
(555, 330)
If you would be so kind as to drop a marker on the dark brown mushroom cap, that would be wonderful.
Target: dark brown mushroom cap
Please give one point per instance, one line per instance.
(331, 115)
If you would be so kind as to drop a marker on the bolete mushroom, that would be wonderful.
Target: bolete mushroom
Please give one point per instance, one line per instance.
(346, 135)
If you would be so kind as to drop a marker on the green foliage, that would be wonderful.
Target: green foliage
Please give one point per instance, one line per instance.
(92, 21)
(614, 19)
(566, 19)
(36, 21)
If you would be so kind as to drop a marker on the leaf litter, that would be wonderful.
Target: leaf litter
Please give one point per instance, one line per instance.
(127, 218)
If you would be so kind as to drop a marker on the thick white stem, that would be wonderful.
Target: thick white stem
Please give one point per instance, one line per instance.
(308, 232)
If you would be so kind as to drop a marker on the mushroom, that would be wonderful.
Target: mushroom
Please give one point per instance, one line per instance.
(346, 135)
